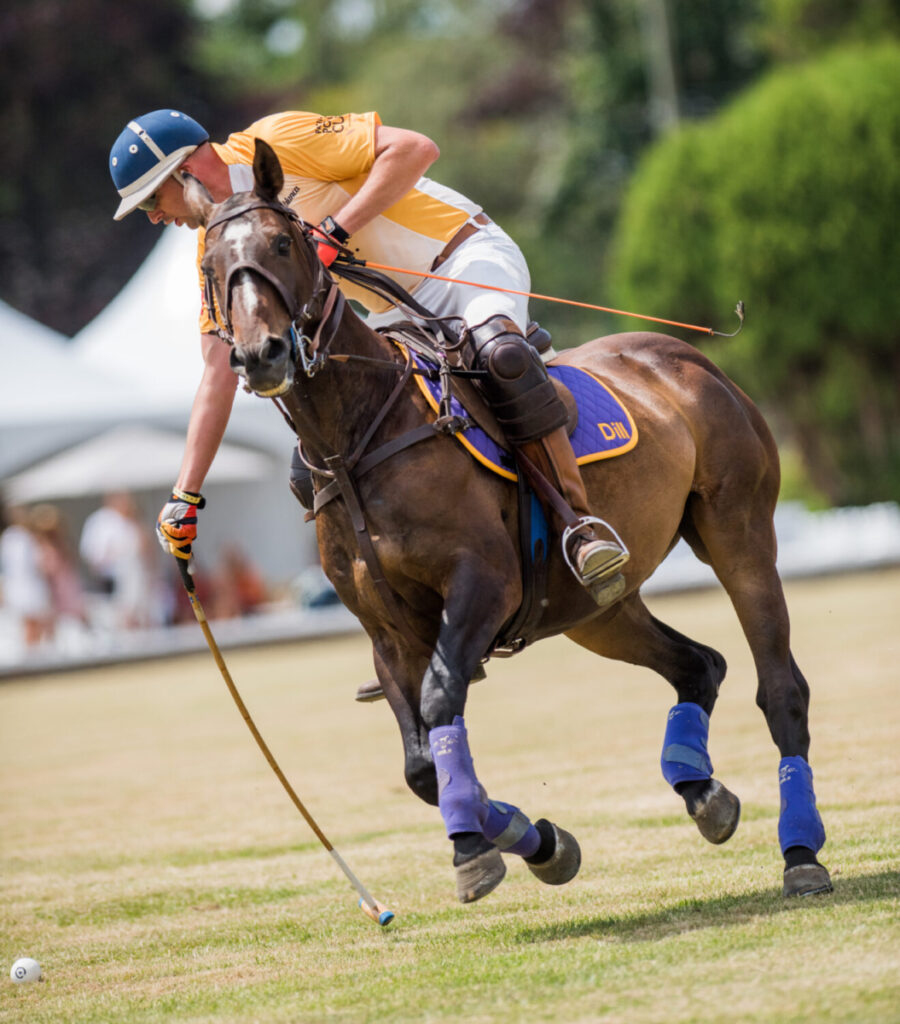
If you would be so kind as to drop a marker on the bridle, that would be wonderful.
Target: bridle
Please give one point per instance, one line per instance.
(324, 307)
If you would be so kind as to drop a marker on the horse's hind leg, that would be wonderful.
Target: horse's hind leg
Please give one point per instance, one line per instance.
(735, 533)
(696, 671)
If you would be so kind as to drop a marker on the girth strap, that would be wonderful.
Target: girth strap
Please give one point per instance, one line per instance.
(375, 458)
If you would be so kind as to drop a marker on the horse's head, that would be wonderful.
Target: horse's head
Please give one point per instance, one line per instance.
(262, 273)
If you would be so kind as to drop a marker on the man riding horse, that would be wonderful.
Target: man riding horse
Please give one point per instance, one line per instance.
(363, 184)
(440, 595)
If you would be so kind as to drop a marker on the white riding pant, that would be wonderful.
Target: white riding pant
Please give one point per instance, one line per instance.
(489, 257)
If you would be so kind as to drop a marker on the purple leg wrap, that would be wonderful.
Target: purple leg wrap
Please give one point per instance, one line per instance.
(684, 757)
(510, 830)
(463, 802)
(799, 823)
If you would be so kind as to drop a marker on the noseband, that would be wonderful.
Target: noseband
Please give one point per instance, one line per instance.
(325, 305)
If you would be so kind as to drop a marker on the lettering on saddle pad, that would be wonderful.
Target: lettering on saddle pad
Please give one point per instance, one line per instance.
(604, 429)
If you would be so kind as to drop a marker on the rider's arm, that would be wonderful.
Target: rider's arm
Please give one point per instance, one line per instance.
(209, 414)
(401, 158)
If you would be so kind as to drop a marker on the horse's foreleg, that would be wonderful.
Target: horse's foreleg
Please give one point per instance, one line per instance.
(477, 604)
(480, 827)
(400, 672)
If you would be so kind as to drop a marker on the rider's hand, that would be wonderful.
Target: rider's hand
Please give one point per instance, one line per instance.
(176, 527)
(329, 237)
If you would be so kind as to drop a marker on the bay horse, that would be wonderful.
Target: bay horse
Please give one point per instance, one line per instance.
(422, 545)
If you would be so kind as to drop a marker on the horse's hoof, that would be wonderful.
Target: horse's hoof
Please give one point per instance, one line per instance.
(807, 880)
(479, 876)
(370, 691)
(563, 864)
(717, 812)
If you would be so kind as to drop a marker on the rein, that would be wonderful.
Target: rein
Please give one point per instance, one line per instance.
(326, 305)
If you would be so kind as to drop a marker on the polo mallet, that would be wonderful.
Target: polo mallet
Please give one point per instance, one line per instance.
(370, 906)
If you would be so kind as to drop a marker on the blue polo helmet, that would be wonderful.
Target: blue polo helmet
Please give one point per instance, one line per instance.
(149, 150)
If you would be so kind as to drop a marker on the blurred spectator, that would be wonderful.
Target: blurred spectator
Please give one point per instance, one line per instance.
(313, 589)
(239, 587)
(59, 565)
(115, 546)
(26, 591)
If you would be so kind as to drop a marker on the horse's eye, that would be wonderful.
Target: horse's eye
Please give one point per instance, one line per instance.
(283, 245)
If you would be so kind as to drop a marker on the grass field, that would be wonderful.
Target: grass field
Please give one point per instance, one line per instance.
(152, 863)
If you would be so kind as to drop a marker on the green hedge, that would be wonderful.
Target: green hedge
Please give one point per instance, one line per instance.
(789, 200)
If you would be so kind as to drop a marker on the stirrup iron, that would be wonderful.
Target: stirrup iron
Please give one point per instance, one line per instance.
(572, 531)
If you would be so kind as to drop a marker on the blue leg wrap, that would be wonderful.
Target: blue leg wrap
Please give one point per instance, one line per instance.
(463, 802)
(799, 823)
(684, 757)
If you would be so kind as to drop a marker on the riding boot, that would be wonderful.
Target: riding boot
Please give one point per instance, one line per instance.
(533, 418)
(596, 561)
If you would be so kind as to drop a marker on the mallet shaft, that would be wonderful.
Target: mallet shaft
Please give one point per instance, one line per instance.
(371, 907)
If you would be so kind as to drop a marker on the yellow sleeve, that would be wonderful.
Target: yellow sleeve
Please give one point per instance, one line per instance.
(310, 145)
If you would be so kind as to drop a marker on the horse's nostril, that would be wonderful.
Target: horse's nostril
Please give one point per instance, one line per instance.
(236, 359)
(274, 349)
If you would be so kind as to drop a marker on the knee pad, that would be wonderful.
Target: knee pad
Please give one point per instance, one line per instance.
(518, 388)
(684, 757)
(507, 360)
(799, 823)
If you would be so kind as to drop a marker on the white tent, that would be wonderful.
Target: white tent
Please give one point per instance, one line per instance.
(138, 364)
(44, 380)
(48, 398)
(148, 333)
(135, 457)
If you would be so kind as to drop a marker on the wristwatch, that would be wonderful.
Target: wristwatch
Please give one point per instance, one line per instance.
(330, 227)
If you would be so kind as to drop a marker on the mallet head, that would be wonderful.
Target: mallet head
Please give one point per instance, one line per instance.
(379, 914)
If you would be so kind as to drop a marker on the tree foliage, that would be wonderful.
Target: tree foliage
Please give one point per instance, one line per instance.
(789, 200)
(72, 73)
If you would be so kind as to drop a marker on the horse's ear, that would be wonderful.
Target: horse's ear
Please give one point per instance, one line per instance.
(267, 172)
(198, 200)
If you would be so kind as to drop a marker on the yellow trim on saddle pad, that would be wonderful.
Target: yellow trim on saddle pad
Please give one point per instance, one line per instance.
(617, 424)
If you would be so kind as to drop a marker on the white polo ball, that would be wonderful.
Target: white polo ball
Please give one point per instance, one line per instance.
(25, 969)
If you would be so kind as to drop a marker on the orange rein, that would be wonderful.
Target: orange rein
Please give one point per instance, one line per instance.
(552, 298)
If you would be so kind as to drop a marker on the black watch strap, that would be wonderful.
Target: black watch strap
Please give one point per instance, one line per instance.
(331, 228)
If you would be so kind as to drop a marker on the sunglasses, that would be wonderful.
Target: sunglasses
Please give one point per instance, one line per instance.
(149, 204)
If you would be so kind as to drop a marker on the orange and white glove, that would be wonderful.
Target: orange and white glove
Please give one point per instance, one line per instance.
(176, 526)
(329, 237)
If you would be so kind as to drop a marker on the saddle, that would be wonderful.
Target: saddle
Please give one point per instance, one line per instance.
(463, 414)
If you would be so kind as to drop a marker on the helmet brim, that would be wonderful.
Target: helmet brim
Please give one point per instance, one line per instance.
(145, 186)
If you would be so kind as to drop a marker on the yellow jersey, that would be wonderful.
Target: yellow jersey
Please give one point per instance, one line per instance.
(326, 161)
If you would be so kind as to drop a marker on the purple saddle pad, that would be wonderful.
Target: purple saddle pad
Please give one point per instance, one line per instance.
(605, 427)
